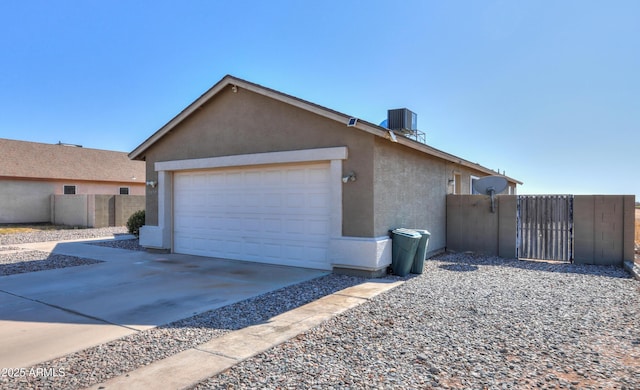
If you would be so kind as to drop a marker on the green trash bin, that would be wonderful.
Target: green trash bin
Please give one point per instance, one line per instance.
(403, 250)
(421, 252)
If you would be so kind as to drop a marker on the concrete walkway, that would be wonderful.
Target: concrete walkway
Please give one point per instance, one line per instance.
(192, 366)
(47, 314)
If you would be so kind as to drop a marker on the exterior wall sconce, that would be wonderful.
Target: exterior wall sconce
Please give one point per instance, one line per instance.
(351, 176)
(152, 183)
(452, 182)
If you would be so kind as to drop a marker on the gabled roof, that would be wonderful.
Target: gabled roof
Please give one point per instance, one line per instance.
(32, 160)
(231, 81)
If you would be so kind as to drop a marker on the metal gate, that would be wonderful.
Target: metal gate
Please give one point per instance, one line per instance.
(545, 227)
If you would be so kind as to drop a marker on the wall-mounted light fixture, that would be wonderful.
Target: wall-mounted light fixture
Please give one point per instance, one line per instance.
(351, 176)
(452, 182)
(234, 88)
(152, 183)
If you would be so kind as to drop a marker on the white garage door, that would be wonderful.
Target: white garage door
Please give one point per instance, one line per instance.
(277, 214)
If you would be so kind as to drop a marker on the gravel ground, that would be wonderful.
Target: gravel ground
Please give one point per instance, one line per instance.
(30, 261)
(14, 260)
(466, 322)
(59, 235)
(131, 244)
(469, 322)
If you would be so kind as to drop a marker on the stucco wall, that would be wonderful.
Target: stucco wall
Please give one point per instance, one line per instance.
(25, 201)
(246, 123)
(409, 191)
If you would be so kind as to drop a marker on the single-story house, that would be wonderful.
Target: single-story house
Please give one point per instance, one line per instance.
(246, 172)
(31, 173)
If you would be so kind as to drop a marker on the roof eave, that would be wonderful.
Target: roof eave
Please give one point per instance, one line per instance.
(137, 152)
(308, 106)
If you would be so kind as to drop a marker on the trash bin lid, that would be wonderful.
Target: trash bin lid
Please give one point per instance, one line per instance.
(407, 233)
(422, 231)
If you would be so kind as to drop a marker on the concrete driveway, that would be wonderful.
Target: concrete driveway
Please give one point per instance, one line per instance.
(52, 313)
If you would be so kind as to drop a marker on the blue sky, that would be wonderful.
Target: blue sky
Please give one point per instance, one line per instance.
(548, 91)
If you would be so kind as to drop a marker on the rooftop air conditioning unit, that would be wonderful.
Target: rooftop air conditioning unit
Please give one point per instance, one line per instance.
(402, 120)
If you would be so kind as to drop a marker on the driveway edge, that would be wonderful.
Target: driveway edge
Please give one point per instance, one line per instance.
(194, 365)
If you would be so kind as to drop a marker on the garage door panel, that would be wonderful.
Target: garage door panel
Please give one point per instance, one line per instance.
(318, 201)
(319, 177)
(296, 200)
(318, 227)
(271, 200)
(296, 177)
(273, 214)
(272, 225)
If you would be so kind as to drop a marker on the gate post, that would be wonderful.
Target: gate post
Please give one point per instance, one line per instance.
(507, 226)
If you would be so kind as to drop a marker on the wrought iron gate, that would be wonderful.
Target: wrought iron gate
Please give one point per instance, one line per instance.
(545, 227)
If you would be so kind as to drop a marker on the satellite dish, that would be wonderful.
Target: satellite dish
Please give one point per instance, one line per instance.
(490, 185)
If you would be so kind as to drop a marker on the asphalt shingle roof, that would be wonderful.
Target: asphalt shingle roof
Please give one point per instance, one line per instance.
(21, 159)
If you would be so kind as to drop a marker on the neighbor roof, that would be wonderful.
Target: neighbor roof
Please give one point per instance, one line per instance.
(228, 80)
(32, 160)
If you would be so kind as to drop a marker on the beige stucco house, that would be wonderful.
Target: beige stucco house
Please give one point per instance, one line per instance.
(31, 173)
(246, 172)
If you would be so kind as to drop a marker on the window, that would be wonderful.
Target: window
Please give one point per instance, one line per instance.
(471, 189)
(124, 190)
(69, 190)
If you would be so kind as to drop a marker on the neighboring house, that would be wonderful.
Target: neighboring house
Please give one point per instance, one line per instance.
(246, 172)
(30, 173)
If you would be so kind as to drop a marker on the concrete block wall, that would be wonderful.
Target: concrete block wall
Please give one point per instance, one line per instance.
(604, 227)
(25, 201)
(94, 210)
(471, 226)
(104, 211)
(71, 210)
(124, 206)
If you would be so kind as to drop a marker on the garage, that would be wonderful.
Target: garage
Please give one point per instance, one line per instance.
(278, 213)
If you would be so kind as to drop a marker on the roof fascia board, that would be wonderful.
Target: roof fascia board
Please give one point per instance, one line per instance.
(449, 157)
(62, 179)
(180, 117)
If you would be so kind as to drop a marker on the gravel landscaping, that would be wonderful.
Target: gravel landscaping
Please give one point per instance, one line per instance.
(131, 244)
(14, 260)
(31, 261)
(467, 322)
(60, 235)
